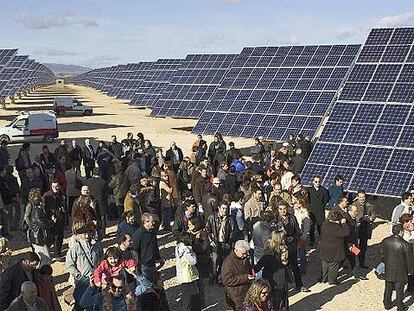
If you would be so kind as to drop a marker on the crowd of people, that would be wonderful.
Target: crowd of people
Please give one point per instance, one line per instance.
(244, 225)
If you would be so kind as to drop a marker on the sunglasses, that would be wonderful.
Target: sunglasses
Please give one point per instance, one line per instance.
(116, 288)
(265, 292)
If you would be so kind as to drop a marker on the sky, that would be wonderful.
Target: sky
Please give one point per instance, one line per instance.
(98, 33)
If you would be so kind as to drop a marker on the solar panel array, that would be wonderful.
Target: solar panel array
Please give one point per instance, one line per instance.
(277, 91)
(193, 85)
(155, 82)
(18, 73)
(369, 138)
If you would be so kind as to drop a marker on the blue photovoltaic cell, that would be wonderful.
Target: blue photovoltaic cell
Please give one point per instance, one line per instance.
(295, 84)
(373, 118)
(194, 83)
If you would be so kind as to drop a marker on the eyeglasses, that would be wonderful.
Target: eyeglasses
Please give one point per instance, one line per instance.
(316, 181)
(116, 288)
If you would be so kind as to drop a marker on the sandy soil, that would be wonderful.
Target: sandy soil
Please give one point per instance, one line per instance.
(112, 116)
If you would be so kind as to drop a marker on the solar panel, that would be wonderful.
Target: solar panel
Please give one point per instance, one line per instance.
(155, 82)
(294, 84)
(373, 119)
(192, 86)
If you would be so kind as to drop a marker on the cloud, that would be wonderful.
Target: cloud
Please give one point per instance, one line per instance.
(231, 1)
(52, 52)
(100, 61)
(400, 20)
(59, 20)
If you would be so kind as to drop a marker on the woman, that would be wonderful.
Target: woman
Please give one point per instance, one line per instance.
(331, 246)
(286, 178)
(257, 298)
(187, 274)
(166, 201)
(85, 211)
(406, 221)
(201, 247)
(119, 186)
(104, 158)
(301, 212)
(39, 226)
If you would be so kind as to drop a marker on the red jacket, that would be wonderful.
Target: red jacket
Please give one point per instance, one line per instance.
(104, 272)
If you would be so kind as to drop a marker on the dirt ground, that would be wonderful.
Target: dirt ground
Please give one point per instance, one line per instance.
(113, 116)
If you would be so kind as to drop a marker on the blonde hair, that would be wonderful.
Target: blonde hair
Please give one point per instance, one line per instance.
(276, 240)
(253, 294)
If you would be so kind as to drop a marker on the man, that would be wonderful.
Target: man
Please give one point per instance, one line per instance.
(14, 276)
(341, 206)
(181, 220)
(76, 154)
(115, 147)
(5, 212)
(133, 172)
(28, 300)
(257, 149)
(145, 246)
(365, 218)
(88, 158)
(236, 274)
(254, 207)
(29, 182)
(14, 191)
(232, 153)
(98, 189)
(56, 209)
(397, 255)
(318, 198)
(336, 191)
(175, 155)
(231, 184)
(216, 150)
(405, 207)
(292, 234)
(118, 296)
(222, 231)
(201, 186)
(4, 154)
(352, 238)
(82, 258)
(278, 195)
(298, 161)
(61, 151)
(223, 171)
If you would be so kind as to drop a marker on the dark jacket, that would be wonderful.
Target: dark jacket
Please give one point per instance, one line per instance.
(99, 191)
(39, 225)
(20, 305)
(11, 280)
(298, 162)
(126, 228)
(352, 238)
(318, 200)
(230, 184)
(234, 275)
(397, 255)
(210, 203)
(88, 156)
(116, 149)
(145, 244)
(331, 242)
(201, 187)
(55, 205)
(213, 229)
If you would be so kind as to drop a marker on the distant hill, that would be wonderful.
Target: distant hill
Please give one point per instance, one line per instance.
(61, 69)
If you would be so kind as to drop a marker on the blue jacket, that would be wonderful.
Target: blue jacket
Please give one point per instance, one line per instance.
(124, 227)
(92, 300)
(334, 193)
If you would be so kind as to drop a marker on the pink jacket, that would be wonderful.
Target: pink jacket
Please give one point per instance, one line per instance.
(104, 272)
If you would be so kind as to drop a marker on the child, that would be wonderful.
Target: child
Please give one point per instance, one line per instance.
(112, 265)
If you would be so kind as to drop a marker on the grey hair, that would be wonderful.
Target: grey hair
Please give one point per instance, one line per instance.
(242, 244)
(27, 285)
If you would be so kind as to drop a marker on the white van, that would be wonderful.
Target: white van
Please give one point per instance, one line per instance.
(30, 127)
(70, 106)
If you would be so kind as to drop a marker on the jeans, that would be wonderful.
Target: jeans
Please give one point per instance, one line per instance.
(302, 260)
